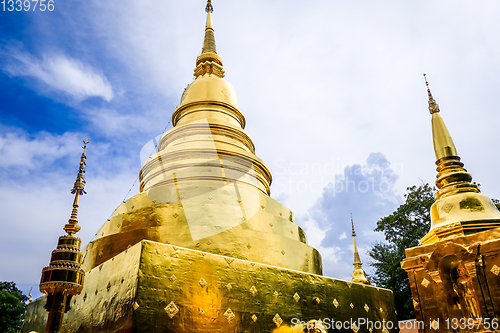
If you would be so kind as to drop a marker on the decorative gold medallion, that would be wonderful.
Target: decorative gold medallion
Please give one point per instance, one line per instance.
(229, 314)
(277, 320)
(317, 300)
(367, 308)
(229, 286)
(355, 328)
(253, 290)
(171, 309)
(296, 297)
(202, 313)
(254, 318)
(495, 270)
(336, 303)
(351, 305)
(283, 252)
(425, 282)
(202, 282)
(271, 224)
(381, 310)
(229, 260)
(276, 294)
(370, 330)
(435, 325)
(173, 278)
(175, 215)
(135, 306)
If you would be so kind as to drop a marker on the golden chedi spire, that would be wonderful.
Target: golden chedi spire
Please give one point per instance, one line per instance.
(206, 189)
(358, 274)
(63, 278)
(459, 207)
(209, 62)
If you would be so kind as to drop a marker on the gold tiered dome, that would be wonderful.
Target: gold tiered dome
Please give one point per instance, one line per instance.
(205, 188)
(460, 208)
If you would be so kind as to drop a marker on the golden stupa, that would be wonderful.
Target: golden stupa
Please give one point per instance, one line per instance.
(454, 274)
(203, 247)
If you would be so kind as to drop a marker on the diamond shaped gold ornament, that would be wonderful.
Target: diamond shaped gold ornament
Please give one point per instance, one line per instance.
(355, 328)
(254, 318)
(425, 282)
(173, 278)
(253, 290)
(277, 320)
(351, 305)
(202, 282)
(229, 314)
(336, 303)
(296, 297)
(367, 308)
(171, 309)
(276, 294)
(317, 300)
(495, 270)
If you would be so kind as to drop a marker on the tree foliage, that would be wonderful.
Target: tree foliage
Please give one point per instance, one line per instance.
(402, 229)
(12, 307)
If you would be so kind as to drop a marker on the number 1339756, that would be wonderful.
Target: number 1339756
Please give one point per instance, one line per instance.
(27, 5)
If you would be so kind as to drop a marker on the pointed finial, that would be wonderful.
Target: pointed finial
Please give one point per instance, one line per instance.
(209, 7)
(29, 294)
(209, 62)
(433, 106)
(78, 189)
(352, 223)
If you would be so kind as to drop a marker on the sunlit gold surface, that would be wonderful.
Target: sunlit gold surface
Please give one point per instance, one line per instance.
(137, 291)
(459, 209)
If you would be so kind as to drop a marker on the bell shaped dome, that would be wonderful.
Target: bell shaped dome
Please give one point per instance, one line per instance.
(209, 88)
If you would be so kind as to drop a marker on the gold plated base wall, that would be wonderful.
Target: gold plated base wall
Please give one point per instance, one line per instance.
(154, 287)
(455, 283)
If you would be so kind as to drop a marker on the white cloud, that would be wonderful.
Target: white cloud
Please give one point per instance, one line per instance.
(19, 150)
(62, 73)
(343, 236)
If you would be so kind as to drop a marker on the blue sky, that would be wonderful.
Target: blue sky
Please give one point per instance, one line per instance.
(332, 91)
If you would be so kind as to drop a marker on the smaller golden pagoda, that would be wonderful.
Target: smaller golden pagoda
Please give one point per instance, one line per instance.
(63, 278)
(358, 274)
(454, 274)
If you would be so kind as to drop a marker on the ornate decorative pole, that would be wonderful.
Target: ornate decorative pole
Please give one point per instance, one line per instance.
(63, 278)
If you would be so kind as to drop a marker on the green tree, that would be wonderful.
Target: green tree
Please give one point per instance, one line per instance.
(12, 307)
(402, 229)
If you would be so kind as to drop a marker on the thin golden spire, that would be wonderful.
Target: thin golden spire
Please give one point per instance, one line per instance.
(433, 106)
(72, 226)
(358, 274)
(209, 62)
(356, 254)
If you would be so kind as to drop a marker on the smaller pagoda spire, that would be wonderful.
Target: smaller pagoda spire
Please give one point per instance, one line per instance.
(78, 189)
(63, 278)
(358, 274)
(208, 62)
